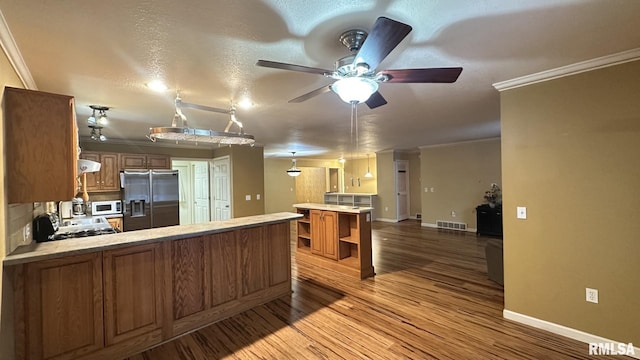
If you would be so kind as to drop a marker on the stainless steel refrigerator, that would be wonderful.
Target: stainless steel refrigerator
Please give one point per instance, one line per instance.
(150, 199)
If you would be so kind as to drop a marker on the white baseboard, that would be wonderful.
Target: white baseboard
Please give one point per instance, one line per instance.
(387, 220)
(561, 330)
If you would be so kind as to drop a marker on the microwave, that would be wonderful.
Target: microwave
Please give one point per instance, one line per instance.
(111, 207)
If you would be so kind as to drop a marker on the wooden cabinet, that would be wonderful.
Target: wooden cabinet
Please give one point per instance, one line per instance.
(133, 294)
(115, 222)
(489, 220)
(108, 178)
(112, 304)
(63, 308)
(144, 161)
(324, 233)
(337, 240)
(41, 144)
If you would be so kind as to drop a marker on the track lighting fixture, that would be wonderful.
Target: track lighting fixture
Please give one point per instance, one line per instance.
(97, 121)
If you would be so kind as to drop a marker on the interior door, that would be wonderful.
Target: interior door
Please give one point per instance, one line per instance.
(201, 211)
(402, 189)
(185, 191)
(221, 188)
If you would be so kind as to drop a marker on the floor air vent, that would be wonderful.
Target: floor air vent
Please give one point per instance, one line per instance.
(451, 225)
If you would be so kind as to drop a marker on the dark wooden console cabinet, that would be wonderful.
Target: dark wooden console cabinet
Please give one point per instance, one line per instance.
(489, 220)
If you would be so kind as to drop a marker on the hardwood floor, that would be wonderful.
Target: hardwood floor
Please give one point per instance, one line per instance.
(430, 299)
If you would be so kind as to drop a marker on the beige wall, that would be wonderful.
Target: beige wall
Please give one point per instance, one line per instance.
(571, 150)
(459, 175)
(8, 77)
(247, 167)
(386, 199)
(279, 188)
(356, 169)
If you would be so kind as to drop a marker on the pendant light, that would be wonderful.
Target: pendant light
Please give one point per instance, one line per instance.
(293, 171)
(368, 174)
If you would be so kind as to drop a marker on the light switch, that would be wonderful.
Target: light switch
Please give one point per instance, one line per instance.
(247, 197)
(521, 212)
(258, 197)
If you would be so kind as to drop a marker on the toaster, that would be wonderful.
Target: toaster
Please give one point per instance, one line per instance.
(44, 226)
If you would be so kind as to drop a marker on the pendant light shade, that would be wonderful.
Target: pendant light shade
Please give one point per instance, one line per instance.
(293, 170)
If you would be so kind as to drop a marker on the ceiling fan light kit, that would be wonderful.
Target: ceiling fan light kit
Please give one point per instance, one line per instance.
(179, 131)
(358, 70)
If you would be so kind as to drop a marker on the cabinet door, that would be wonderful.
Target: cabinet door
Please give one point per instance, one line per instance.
(41, 144)
(64, 307)
(115, 223)
(253, 271)
(330, 243)
(133, 161)
(279, 253)
(109, 173)
(317, 231)
(133, 287)
(158, 162)
(93, 178)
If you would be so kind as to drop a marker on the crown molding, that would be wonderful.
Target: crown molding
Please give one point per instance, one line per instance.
(459, 143)
(568, 70)
(10, 48)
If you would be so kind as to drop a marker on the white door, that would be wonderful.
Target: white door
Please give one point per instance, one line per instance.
(184, 182)
(200, 171)
(221, 188)
(402, 189)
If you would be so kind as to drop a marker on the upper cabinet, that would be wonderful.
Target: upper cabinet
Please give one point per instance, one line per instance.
(107, 179)
(41, 139)
(144, 161)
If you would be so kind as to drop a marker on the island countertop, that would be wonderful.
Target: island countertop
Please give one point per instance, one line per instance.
(76, 246)
(339, 208)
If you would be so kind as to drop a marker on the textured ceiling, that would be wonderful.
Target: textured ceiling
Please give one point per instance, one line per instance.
(103, 52)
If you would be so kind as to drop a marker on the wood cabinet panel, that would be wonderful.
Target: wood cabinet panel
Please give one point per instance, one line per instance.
(40, 157)
(279, 253)
(115, 223)
(252, 260)
(223, 255)
(64, 307)
(189, 277)
(144, 161)
(107, 179)
(133, 286)
(324, 233)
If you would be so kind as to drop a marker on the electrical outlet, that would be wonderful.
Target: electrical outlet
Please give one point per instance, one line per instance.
(592, 295)
(521, 212)
(26, 233)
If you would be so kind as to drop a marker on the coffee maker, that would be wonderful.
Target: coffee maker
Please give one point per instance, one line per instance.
(78, 206)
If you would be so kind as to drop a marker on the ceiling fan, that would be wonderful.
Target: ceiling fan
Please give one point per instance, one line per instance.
(356, 79)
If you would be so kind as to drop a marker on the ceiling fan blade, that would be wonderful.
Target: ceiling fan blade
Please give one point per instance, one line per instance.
(383, 38)
(311, 94)
(430, 75)
(292, 67)
(376, 99)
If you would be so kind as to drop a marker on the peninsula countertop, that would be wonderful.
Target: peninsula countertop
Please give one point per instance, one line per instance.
(338, 208)
(76, 246)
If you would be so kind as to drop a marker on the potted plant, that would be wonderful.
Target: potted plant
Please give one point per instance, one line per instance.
(493, 196)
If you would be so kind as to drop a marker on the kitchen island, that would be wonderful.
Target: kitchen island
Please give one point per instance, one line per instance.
(336, 237)
(112, 296)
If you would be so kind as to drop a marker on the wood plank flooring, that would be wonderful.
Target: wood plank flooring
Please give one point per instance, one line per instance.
(430, 299)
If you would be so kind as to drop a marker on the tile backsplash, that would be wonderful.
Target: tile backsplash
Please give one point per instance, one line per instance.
(21, 216)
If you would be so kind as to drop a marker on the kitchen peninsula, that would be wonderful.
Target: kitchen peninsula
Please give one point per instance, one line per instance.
(113, 296)
(337, 237)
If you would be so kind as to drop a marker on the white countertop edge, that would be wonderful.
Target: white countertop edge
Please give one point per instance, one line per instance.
(338, 208)
(68, 247)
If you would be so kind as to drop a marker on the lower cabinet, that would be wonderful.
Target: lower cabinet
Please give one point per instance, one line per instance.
(133, 289)
(115, 303)
(324, 233)
(61, 304)
(337, 240)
